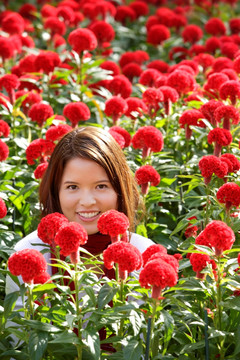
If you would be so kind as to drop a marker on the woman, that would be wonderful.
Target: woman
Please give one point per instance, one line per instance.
(86, 176)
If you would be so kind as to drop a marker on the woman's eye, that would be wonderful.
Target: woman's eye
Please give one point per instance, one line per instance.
(72, 187)
(102, 186)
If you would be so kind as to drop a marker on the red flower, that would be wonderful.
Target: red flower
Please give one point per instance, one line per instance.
(229, 49)
(3, 209)
(211, 164)
(234, 25)
(4, 151)
(42, 278)
(201, 239)
(159, 275)
(55, 133)
(147, 174)
(159, 65)
(6, 48)
(220, 236)
(191, 117)
(157, 34)
(75, 112)
(212, 44)
(69, 238)
(208, 109)
(32, 97)
(55, 25)
(149, 77)
(166, 16)
(140, 8)
(4, 128)
(135, 107)
(118, 138)
(124, 133)
(199, 262)
(115, 107)
(215, 26)
(27, 11)
(113, 223)
(9, 82)
(192, 33)
(40, 112)
(111, 66)
(204, 60)
(191, 229)
(230, 89)
(221, 137)
(66, 13)
(13, 23)
(229, 194)
(151, 250)
(40, 170)
(132, 70)
(170, 95)
(28, 263)
(138, 57)
(47, 61)
(103, 31)
(149, 139)
(236, 64)
(49, 226)
(221, 63)
(82, 39)
(232, 162)
(127, 256)
(169, 259)
(104, 8)
(48, 10)
(181, 81)
(124, 14)
(120, 85)
(39, 148)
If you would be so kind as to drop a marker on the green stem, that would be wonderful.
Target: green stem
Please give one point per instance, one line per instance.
(78, 312)
(206, 221)
(30, 301)
(219, 309)
(154, 340)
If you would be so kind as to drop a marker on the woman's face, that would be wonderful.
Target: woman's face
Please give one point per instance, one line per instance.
(86, 193)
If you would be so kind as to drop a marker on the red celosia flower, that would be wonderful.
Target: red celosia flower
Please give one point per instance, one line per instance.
(48, 10)
(151, 250)
(3, 209)
(13, 23)
(69, 238)
(234, 25)
(40, 170)
(10, 82)
(214, 82)
(39, 148)
(140, 8)
(147, 174)
(230, 73)
(229, 49)
(40, 112)
(4, 128)
(192, 63)
(157, 34)
(204, 60)
(220, 236)
(191, 117)
(169, 259)
(178, 53)
(57, 132)
(152, 20)
(66, 13)
(236, 64)
(149, 139)
(58, 40)
(6, 48)
(76, 112)
(152, 97)
(212, 44)
(27, 64)
(229, 194)
(159, 65)
(138, 57)
(42, 278)
(120, 85)
(103, 31)
(125, 134)
(28, 263)
(166, 16)
(124, 14)
(199, 262)
(126, 255)
(27, 11)
(159, 275)
(32, 97)
(111, 66)
(227, 112)
(82, 39)
(104, 8)
(208, 109)
(192, 33)
(132, 70)
(47, 61)
(191, 229)
(221, 63)
(118, 138)
(201, 239)
(4, 151)
(230, 89)
(170, 95)
(197, 49)
(221, 137)
(49, 226)
(113, 223)
(234, 165)
(181, 81)
(215, 27)
(115, 107)
(135, 107)
(211, 164)
(149, 77)
(55, 25)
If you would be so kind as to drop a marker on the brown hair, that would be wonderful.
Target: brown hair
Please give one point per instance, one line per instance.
(98, 145)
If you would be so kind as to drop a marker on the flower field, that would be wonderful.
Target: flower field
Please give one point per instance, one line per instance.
(162, 77)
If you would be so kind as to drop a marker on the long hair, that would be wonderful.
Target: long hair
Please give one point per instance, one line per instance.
(95, 144)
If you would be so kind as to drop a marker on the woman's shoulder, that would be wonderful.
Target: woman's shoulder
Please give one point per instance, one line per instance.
(141, 242)
(31, 241)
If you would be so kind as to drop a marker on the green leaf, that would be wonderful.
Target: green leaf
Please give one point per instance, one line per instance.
(9, 303)
(92, 341)
(38, 341)
(66, 338)
(132, 350)
(89, 290)
(105, 295)
(141, 230)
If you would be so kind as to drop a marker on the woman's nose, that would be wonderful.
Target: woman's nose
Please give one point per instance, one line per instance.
(87, 198)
